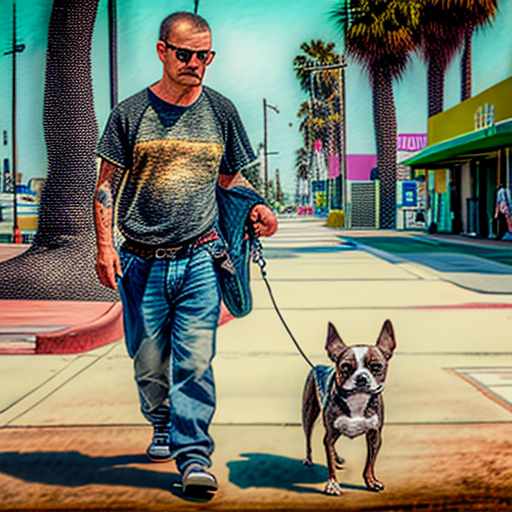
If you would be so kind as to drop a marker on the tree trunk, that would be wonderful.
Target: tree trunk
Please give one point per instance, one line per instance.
(60, 264)
(385, 124)
(465, 65)
(435, 76)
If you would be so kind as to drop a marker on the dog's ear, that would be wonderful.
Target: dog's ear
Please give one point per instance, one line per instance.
(386, 341)
(334, 344)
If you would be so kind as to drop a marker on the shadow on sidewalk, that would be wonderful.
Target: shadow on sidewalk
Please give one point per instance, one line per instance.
(74, 469)
(277, 472)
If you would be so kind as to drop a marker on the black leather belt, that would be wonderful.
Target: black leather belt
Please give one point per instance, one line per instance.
(160, 252)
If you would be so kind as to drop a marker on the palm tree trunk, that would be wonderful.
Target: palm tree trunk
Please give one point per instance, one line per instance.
(466, 76)
(435, 76)
(70, 126)
(385, 124)
(60, 264)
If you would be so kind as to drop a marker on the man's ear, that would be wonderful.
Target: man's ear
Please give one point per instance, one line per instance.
(334, 344)
(386, 341)
(160, 50)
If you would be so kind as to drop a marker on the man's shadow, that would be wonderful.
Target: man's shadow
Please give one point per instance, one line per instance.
(74, 469)
(277, 472)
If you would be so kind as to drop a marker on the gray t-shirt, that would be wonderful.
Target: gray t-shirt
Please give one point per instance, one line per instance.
(172, 156)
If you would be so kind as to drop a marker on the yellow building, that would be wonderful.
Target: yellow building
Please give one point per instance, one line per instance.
(468, 156)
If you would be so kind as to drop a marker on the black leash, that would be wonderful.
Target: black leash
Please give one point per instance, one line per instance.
(257, 257)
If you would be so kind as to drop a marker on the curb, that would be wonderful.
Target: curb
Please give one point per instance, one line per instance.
(84, 337)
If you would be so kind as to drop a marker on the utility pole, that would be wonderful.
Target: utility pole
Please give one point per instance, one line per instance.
(16, 48)
(112, 47)
(265, 145)
(279, 190)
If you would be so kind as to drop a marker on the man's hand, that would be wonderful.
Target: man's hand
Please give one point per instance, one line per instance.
(264, 220)
(108, 266)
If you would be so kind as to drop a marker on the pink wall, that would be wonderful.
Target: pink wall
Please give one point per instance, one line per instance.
(359, 166)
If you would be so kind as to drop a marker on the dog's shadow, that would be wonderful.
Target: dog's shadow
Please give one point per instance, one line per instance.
(278, 472)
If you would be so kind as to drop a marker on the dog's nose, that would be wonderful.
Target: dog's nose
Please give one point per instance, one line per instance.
(361, 380)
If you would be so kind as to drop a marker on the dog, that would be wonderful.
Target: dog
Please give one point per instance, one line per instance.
(349, 395)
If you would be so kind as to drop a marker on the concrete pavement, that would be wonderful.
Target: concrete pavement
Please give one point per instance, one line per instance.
(464, 261)
(71, 436)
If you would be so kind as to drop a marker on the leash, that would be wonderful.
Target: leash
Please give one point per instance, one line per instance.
(257, 257)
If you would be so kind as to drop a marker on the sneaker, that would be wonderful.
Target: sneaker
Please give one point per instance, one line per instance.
(159, 450)
(196, 479)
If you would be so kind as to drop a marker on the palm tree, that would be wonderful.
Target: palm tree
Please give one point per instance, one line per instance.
(302, 163)
(314, 124)
(302, 174)
(381, 35)
(60, 264)
(322, 119)
(323, 83)
(446, 26)
(477, 13)
(441, 32)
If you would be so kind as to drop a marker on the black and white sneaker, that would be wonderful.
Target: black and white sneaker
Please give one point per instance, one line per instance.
(196, 480)
(159, 450)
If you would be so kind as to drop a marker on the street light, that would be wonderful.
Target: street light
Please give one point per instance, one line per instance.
(265, 144)
(342, 142)
(16, 48)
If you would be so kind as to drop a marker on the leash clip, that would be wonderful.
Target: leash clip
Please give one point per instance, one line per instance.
(257, 256)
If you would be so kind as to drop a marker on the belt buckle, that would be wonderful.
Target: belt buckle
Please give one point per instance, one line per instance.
(162, 253)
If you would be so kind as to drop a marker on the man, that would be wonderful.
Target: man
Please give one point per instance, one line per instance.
(169, 146)
(503, 213)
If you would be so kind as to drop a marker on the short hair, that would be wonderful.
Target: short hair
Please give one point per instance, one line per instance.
(194, 19)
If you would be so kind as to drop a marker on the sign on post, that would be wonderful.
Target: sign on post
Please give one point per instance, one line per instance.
(409, 194)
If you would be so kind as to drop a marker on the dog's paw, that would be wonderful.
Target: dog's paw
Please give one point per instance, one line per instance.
(307, 462)
(332, 488)
(374, 485)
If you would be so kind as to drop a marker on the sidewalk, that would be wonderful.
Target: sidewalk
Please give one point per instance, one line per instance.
(481, 265)
(72, 438)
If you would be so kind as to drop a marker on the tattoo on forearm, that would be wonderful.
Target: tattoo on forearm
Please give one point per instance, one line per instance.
(104, 197)
(108, 184)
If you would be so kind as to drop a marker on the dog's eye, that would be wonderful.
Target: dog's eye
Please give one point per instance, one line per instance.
(346, 368)
(375, 367)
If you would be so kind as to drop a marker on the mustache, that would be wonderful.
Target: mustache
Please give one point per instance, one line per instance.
(190, 72)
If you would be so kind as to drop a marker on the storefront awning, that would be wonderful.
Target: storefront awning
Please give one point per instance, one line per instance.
(463, 148)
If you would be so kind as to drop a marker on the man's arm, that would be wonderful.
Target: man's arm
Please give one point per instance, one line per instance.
(234, 180)
(263, 218)
(108, 264)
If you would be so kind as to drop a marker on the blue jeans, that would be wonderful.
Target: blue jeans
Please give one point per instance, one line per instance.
(171, 310)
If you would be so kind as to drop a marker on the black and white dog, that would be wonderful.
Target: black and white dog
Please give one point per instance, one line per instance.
(349, 395)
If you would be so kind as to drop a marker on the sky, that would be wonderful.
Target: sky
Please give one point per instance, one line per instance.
(256, 43)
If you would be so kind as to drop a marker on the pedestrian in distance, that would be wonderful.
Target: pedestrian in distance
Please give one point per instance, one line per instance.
(503, 213)
(165, 154)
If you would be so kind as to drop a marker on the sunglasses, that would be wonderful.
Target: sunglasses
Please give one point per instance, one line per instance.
(184, 54)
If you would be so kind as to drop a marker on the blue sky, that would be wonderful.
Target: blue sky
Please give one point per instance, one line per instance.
(255, 43)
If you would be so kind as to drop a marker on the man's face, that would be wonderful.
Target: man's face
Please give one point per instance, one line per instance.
(184, 35)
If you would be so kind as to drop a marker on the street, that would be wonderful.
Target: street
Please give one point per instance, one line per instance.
(72, 437)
